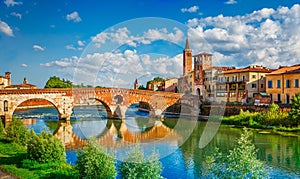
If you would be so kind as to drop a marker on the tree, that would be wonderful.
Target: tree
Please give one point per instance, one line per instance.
(294, 114)
(136, 166)
(45, 148)
(17, 132)
(56, 82)
(93, 162)
(241, 162)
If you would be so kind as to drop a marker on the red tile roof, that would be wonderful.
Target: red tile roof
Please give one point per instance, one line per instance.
(252, 68)
(286, 69)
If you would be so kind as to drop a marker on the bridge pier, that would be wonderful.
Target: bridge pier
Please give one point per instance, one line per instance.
(118, 111)
(157, 113)
(7, 119)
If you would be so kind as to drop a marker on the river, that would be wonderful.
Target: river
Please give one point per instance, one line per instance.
(176, 140)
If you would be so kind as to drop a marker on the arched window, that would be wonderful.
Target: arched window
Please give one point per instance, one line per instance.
(5, 105)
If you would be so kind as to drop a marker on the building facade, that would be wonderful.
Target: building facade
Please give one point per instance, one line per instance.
(283, 84)
(5, 80)
(237, 85)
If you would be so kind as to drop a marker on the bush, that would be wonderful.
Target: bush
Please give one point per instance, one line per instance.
(2, 133)
(136, 166)
(45, 148)
(241, 162)
(93, 162)
(17, 132)
(294, 114)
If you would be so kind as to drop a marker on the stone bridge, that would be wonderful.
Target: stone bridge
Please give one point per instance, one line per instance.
(115, 100)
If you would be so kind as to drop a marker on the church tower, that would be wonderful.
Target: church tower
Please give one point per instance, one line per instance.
(136, 84)
(187, 58)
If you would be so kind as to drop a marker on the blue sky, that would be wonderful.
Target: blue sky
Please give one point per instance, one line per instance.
(110, 43)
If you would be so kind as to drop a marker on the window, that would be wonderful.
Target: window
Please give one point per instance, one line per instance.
(261, 85)
(244, 78)
(270, 84)
(5, 105)
(190, 83)
(254, 76)
(287, 83)
(278, 83)
(296, 83)
(253, 85)
(233, 78)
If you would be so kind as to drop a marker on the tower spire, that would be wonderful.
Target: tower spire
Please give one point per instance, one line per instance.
(187, 44)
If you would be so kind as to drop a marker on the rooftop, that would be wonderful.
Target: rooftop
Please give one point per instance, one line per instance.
(251, 68)
(287, 69)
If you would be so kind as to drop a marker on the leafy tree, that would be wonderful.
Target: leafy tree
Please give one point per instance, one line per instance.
(56, 82)
(294, 114)
(141, 87)
(241, 162)
(17, 132)
(136, 166)
(93, 162)
(45, 148)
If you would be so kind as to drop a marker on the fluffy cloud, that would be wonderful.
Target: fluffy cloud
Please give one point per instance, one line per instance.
(38, 48)
(267, 37)
(123, 36)
(116, 69)
(80, 43)
(9, 3)
(74, 16)
(231, 2)
(191, 9)
(18, 15)
(4, 28)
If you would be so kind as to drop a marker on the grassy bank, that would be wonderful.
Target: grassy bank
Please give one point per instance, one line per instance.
(13, 161)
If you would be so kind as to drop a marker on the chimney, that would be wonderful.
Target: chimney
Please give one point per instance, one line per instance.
(7, 76)
(25, 81)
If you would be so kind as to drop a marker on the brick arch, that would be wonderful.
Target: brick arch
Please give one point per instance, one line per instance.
(141, 100)
(21, 100)
(105, 104)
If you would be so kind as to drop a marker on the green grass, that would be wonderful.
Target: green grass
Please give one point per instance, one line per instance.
(13, 160)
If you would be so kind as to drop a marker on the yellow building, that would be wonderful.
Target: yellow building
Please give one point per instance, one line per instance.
(171, 85)
(186, 83)
(283, 83)
(5, 80)
(237, 85)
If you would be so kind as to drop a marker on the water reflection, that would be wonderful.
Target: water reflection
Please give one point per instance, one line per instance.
(112, 133)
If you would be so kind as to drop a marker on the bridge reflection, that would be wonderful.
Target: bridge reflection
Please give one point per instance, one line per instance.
(116, 134)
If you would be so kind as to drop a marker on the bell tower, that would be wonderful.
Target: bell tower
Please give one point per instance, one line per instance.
(187, 58)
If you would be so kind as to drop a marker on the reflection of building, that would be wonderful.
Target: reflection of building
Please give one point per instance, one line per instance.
(237, 85)
(24, 85)
(283, 83)
(5, 80)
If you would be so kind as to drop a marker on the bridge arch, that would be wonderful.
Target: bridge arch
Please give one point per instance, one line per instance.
(106, 106)
(16, 104)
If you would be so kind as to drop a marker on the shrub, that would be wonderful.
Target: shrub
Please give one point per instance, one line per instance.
(17, 132)
(294, 114)
(45, 148)
(2, 133)
(93, 162)
(136, 166)
(241, 162)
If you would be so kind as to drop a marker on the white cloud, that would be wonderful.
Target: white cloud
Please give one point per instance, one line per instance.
(123, 36)
(38, 48)
(24, 65)
(4, 27)
(9, 3)
(70, 47)
(80, 43)
(18, 15)
(231, 2)
(116, 69)
(268, 37)
(74, 16)
(191, 9)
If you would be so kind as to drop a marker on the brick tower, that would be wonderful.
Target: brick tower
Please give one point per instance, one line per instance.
(187, 58)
